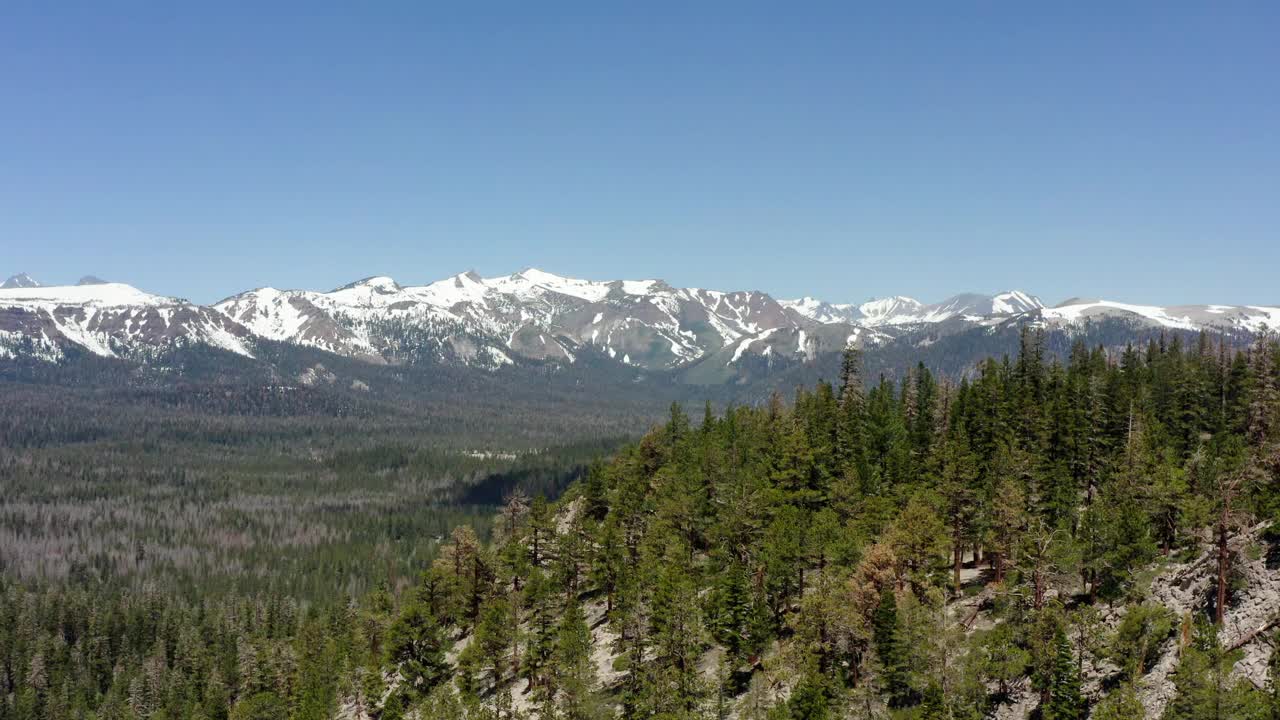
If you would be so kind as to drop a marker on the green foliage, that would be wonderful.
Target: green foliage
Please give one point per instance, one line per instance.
(415, 648)
(262, 706)
(1001, 657)
(1120, 704)
(1137, 641)
(574, 670)
(1065, 700)
(809, 700)
(1204, 688)
(889, 650)
(775, 561)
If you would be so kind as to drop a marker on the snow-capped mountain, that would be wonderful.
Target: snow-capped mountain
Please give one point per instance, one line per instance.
(108, 319)
(533, 315)
(901, 310)
(822, 311)
(21, 280)
(1249, 318)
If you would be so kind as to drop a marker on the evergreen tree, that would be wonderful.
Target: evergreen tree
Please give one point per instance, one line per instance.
(1120, 704)
(415, 646)
(574, 670)
(540, 602)
(1203, 687)
(957, 477)
(809, 700)
(677, 632)
(889, 650)
(1065, 700)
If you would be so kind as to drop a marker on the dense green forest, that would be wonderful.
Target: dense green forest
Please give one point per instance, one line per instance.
(869, 548)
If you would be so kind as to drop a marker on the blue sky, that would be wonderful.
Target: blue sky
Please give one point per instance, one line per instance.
(829, 149)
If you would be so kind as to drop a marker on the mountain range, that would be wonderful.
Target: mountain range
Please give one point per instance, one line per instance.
(537, 316)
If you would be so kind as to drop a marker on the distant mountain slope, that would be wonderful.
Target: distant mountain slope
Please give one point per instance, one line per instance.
(1250, 318)
(21, 280)
(533, 316)
(110, 320)
(530, 314)
(901, 310)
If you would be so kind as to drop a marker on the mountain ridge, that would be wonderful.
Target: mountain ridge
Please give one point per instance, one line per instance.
(539, 316)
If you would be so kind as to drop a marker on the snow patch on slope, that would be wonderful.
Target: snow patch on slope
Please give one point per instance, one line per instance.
(101, 295)
(1081, 311)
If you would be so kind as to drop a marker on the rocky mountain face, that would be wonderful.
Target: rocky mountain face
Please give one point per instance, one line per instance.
(534, 315)
(109, 320)
(1182, 588)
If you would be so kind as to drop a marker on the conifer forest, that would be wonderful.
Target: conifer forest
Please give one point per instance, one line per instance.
(1084, 534)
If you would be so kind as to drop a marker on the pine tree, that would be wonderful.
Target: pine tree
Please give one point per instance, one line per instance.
(850, 422)
(957, 477)
(732, 616)
(677, 631)
(1122, 703)
(889, 650)
(918, 541)
(1065, 700)
(1203, 687)
(574, 669)
(1136, 643)
(494, 636)
(541, 530)
(1001, 657)
(809, 700)
(1006, 510)
(782, 556)
(415, 646)
(540, 603)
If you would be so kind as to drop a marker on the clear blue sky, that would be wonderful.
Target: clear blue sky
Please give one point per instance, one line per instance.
(830, 149)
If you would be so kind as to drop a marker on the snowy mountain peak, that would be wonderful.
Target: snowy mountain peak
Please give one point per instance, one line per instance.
(1013, 302)
(21, 280)
(379, 283)
(534, 282)
(91, 280)
(806, 306)
(821, 311)
(1077, 311)
(896, 310)
(103, 294)
(110, 320)
(533, 274)
(903, 310)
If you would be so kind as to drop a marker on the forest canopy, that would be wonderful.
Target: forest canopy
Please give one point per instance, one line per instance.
(919, 548)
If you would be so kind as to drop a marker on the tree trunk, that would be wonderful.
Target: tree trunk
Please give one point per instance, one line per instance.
(1224, 557)
(959, 559)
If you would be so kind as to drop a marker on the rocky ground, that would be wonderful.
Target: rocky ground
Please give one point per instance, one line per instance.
(1183, 587)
